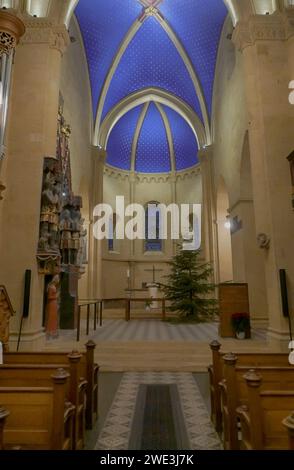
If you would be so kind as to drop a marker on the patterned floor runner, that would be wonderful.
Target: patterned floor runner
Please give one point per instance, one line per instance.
(158, 411)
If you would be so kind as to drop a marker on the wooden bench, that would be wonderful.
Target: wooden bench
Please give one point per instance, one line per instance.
(39, 417)
(289, 425)
(234, 392)
(3, 416)
(88, 370)
(39, 375)
(216, 374)
(262, 420)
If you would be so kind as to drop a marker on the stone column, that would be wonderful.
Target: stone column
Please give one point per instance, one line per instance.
(174, 199)
(134, 245)
(31, 135)
(263, 41)
(209, 227)
(96, 247)
(248, 262)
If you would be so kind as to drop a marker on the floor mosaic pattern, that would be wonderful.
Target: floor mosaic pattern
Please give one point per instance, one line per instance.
(117, 429)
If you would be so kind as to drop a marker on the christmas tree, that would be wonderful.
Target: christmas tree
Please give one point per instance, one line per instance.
(189, 287)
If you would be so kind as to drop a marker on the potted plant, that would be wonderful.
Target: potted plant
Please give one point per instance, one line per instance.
(241, 324)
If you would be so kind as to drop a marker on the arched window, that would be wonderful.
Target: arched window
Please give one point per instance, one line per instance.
(153, 242)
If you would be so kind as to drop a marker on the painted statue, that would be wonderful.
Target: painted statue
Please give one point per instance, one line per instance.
(51, 325)
(65, 230)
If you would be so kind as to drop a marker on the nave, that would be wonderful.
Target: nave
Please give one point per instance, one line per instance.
(146, 225)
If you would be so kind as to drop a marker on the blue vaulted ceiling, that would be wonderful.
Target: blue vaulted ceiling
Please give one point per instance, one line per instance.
(151, 62)
(184, 141)
(153, 153)
(151, 59)
(119, 147)
(103, 25)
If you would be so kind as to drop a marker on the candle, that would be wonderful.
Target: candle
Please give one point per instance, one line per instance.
(128, 273)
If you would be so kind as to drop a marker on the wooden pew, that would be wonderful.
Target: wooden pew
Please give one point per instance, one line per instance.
(3, 416)
(88, 370)
(261, 420)
(39, 375)
(247, 359)
(39, 417)
(234, 392)
(289, 425)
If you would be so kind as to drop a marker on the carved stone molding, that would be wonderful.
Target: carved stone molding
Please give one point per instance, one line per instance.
(11, 29)
(276, 27)
(124, 175)
(42, 31)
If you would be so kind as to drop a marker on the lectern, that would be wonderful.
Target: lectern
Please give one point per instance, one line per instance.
(233, 298)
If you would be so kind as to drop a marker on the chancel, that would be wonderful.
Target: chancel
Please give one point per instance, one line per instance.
(145, 342)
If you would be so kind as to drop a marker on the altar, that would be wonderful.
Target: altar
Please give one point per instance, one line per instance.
(153, 287)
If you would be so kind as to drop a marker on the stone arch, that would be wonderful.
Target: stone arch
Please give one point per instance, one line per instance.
(143, 96)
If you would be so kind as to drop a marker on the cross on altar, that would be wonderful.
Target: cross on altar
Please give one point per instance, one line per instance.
(153, 271)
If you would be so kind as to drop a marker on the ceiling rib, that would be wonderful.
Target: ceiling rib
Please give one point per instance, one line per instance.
(183, 54)
(169, 137)
(159, 96)
(137, 135)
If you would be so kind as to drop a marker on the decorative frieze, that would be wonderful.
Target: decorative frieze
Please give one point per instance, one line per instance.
(124, 175)
(42, 31)
(276, 27)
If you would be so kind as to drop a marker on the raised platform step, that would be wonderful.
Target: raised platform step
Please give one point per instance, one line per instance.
(156, 346)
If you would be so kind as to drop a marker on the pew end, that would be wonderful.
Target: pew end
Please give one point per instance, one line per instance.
(40, 418)
(289, 425)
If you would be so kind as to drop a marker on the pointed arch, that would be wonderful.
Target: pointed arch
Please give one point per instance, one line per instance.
(158, 96)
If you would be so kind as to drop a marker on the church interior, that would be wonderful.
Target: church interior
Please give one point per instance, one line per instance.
(168, 103)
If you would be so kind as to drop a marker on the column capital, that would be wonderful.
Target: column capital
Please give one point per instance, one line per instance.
(132, 177)
(205, 154)
(43, 31)
(11, 30)
(99, 154)
(276, 27)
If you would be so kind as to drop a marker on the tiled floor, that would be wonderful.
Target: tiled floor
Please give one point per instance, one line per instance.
(153, 345)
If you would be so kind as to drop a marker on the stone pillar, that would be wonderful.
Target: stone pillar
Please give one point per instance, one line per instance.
(133, 244)
(263, 41)
(248, 262)
(209, 226)
(96, 247)
(174, 199)
(31, 135)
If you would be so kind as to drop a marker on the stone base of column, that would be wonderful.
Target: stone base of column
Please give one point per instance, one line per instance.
(279, 336)
(29, 341)
(259, 323)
